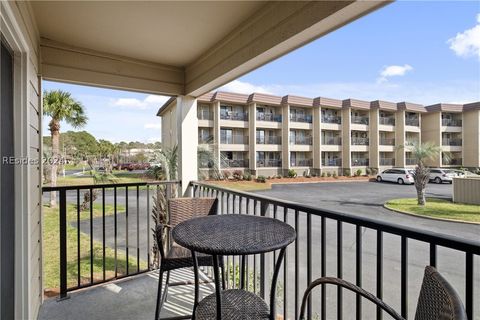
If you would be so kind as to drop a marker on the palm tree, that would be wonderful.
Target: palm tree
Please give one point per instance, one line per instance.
(60, 106)
(422, 152)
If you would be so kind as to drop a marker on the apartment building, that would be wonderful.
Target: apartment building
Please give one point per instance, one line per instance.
(269, 135)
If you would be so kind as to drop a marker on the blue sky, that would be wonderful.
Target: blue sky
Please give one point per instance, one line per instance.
(424, 52)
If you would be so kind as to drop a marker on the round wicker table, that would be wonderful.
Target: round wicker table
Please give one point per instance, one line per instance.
(233, 234)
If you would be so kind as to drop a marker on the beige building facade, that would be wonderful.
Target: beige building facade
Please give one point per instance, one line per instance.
(270, 135)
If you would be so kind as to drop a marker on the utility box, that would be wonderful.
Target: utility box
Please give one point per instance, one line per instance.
(467, 190)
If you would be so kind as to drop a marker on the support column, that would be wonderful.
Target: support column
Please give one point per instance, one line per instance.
(285, 139)
(216, 134)
(346, 139)
(252, 138)
(374, 139)
(187, 131)
(317, 139)
(400, 135)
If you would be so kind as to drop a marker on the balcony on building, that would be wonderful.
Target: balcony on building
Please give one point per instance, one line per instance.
(233, 112)
(412, 138)
(451, 139)
(359, 138)
(387, 138)
(331, 159)
(233, 136)
(452, 159)
(386, 118)
(410, 159)
(233, 159)
(387, 159)
(205, 136)
(331, 116)
(330, 137)
(300, 137)
(268, 159)
(412, 119)
(451, 119)
(269, 137)
(204, 112)
(301, 159)
(271, 114)
(360, 117)
(360, 159)
(300, 115)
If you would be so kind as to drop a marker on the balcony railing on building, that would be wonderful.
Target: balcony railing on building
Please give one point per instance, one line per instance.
(387, 141)
(301, 163)
(410, 161)
(332, 119)
(359, 119)
(360, 162)
(269, 140)
(359, 141)
(269, 163)
(269, 117)
(205, 115)
(301, 140)
(235, 163)
(234, 139)
(332, 141)
(332, 162)
(452, 142)
(452, 122)
(412, 122)
(452, 162)
(387, 161)
(238, 116)
(301, 118)
(390, 121)
(205, 139)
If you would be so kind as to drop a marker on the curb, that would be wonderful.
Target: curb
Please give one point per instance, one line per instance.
(429, 218)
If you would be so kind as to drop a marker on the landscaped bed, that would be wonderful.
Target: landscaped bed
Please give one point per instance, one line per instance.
(437, 208)
(244, 185)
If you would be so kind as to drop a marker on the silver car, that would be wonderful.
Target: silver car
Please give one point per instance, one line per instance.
(438, 175)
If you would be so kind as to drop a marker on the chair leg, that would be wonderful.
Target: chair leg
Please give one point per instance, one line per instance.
(165, 293)
(159, 295)
(222, 266)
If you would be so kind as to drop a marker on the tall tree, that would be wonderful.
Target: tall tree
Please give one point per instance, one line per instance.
(422, 152)
(60, 106)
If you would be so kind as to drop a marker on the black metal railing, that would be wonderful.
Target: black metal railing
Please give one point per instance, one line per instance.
(452, 142)
(332, 162)
(237, 116)
(347, 246)
(234, 139)
(301, 163)
(205, 139)
(390, 121)
(332, 140)
(237, 163)
(356, 162)
(306, 140)
(356, 141)
(123, 238)
(269, 140)
(387, 161)
(205, 115)
(387, 141)
(415, 122)
(269, 117)
(300, 118)
(269, 163)
(452, 162)
(360, 119)
(452, 122)
(410, 161)
(331, 119)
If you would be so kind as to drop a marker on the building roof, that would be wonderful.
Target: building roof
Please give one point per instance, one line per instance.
(408, 106)
(445, 107)
(297, 101)
(384, 105)
(327, 102)
(357, 104)
(165, 106)
(264, 98)
(471, 106)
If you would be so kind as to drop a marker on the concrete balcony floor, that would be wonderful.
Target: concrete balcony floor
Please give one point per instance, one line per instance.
(130, 298)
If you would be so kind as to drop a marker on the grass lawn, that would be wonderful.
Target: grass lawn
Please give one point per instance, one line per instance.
(437, 208)
(122, 177)
(51, 263)
(242, 185)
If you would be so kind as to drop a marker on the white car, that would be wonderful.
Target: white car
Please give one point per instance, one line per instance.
(398, 175)
(438, 175)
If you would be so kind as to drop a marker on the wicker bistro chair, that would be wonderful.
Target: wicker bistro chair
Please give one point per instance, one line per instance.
(176, 256)
(438, 300)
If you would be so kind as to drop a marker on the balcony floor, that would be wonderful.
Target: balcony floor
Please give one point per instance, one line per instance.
(131, 298)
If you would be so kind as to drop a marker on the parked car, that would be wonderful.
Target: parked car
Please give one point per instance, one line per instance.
(398, 175)
(438, 175)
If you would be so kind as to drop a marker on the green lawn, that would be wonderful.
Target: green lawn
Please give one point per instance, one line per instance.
(51, 249)
(437, 208)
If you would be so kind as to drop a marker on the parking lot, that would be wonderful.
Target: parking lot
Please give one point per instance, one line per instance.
(366, 199)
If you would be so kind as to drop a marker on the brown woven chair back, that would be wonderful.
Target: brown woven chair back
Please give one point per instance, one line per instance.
(182, 209)
(438, 300)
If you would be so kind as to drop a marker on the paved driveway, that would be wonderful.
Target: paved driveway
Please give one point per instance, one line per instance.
(366, 199)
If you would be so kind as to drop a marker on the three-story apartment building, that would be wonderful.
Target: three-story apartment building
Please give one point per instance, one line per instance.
(268, 135)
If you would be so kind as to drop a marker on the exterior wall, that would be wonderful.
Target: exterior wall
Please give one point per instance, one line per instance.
(252, 116)
(285, 138)
(431, 131)
(22, 35)
(373, 136)
(317, 139)
(471, 139)
(466, 190)
(169, 126)
(400, 138)
(346, 138)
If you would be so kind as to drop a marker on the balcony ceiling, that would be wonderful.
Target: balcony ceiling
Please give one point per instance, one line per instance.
(177, 47)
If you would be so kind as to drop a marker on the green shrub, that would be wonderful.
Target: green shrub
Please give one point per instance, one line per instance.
(347, 173)
(261, 179)
(368, 171)
(323, 174)
(291, 173)
(247, 176)
(329, 174)
(374, 171)
(237, 175)
(358, 173)
(335, 174)
(227, 174)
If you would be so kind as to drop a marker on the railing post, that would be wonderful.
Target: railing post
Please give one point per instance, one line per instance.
(263, 271)
(63, 244)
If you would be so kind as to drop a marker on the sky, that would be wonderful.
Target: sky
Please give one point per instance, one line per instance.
(422, 52)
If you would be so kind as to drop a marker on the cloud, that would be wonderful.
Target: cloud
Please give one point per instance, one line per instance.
(149, 102)
(152, 125)
(394, 71)
(467, 43)
(238, 86)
